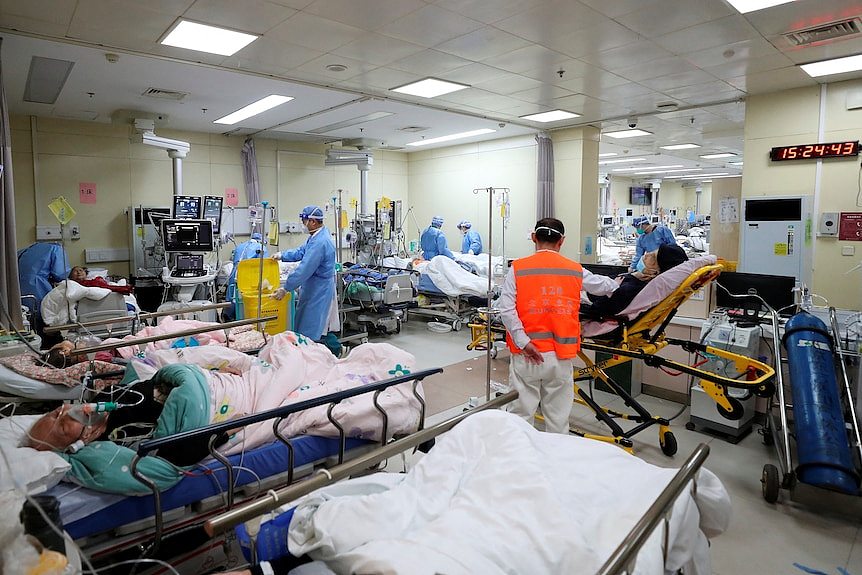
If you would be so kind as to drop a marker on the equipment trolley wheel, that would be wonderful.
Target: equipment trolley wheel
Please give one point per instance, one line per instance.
(769, 483)
(457, 325)
(493, 352)
(690, 426)
(736, 409)
(668, 444)
(766, 437)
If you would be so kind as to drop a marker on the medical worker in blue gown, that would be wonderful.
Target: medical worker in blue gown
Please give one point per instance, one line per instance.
(472, 242)
(650, 238)
(433, 240)
(40, 266)
(315, 276)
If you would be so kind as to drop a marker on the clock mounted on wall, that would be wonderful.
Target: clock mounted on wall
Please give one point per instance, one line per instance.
(815, 151)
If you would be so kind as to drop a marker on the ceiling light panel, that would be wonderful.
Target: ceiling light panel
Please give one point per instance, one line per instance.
(627, 134)
(667, 171)
(648, 168)
(607, 154)
(351, 122)
(834, 66)
(552, 116)
(450, 137)
(430, 88)
(718, 156)
(253, 109)
(679, 147)
(210, 39)
(735, 163)
(745, 6)
(45, 79)
(622, 161)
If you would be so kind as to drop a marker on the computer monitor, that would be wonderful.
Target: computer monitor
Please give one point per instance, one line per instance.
(607, 221)
(777, 291)
(189, 263)
(187, 208)
(653, 219)
(640, 196)
(187, 235)
(629, 212)
(212, 212)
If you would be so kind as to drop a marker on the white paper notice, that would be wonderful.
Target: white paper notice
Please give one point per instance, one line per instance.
(728, 211)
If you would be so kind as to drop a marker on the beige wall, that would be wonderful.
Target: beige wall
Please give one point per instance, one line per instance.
(793, 117)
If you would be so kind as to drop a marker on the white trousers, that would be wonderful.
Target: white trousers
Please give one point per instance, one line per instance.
(549, 383)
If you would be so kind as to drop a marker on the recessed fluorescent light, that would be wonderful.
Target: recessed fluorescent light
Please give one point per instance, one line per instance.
(429, 88)
(728, 176)
(627, 133)
(452, 137)
(744, 6)
(647, 173)
(679, 147)
(706, 181)
(735, 163)
(253, 109)
(622, 161)
(203, 38)
(648, 168)
(698, 176)
(551, 116)
(607, 154)
(834, 66)
(717, 156)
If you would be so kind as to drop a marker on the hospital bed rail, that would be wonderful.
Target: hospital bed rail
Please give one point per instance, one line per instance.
(622, 560)
(278, 415)
(140, 317)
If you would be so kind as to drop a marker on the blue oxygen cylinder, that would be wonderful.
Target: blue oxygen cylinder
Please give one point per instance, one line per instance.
(821, 436)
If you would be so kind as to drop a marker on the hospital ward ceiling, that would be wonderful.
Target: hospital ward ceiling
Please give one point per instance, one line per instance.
(682, 68)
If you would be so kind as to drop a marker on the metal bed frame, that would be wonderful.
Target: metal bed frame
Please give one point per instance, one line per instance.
(136, 318)
(148, 545)
(380, 314)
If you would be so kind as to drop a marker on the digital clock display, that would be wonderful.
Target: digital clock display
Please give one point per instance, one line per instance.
(815, 151)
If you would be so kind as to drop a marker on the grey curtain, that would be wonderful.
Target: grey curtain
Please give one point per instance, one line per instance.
(10, 290)
(249, 172)
(545, 189)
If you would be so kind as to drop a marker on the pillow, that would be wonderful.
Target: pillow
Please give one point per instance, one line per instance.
(35, 471)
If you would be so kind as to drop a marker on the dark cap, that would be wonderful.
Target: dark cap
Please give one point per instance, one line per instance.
(670, 256)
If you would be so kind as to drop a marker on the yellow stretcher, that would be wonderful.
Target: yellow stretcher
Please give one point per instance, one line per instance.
(642, 338)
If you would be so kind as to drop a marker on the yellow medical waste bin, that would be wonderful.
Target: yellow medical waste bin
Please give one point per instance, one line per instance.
(250, 283)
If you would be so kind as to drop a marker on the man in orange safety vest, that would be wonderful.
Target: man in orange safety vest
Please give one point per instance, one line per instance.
(539, 306)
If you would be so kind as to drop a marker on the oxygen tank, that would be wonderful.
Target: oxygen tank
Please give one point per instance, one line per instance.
(821, 436)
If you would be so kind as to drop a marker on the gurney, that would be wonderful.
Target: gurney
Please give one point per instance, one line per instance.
(638, 332)
(377, 298)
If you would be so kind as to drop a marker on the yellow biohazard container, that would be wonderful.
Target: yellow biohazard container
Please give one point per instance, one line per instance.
(250, 283)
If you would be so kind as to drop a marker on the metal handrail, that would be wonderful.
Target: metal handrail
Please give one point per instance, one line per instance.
(625, 555)
(175, 335)
(323, 477)
(149, 445)
(836, 337)
(136, 317)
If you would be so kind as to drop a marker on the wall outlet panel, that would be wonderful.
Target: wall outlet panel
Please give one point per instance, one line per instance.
(48, 233)
(100, 255)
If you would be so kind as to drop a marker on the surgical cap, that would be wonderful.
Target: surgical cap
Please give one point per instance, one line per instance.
(465, 224)
(437, 221)
(256, 236)
(640, 221)
(311, 213)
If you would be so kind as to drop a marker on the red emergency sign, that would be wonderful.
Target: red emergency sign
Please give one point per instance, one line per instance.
(850, 226)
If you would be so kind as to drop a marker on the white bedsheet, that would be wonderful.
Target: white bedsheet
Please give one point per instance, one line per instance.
(453, 280)
(14, 383)
(497, 496)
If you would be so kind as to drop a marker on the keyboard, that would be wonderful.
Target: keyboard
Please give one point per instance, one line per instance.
(188, 273)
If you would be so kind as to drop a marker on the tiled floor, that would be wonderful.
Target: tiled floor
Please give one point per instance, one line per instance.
(762, 538)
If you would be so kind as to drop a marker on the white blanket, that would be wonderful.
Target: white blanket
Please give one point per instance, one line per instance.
(497, 496)
(58, 307)
(453, 280)
(481, 263)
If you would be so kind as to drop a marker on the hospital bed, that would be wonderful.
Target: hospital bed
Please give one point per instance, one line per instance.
(638, 332)
(165, 524)
(435, 304)
(377, 297)
(661, 535)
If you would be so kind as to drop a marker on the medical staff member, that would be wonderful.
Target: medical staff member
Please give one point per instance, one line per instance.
(433, 241)
(315, 275)
(39, 266)
(650, 238)
(472, 242)
(539, 306)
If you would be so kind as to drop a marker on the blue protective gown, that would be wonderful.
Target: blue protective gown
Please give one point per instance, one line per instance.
(39, 265)
(472, 241)
(316, 276)
(244, 251)
(651, 241)
(433, 243)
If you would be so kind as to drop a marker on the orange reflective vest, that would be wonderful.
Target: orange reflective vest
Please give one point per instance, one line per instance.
(548, 297)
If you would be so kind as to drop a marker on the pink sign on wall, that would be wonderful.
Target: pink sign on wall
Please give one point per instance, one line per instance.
(87, 192)
(231, 196)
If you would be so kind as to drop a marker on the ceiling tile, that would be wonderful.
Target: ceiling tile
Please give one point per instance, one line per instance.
(596, 82)
(801, 15)
(616, 8)
(847, 47)
(509, 84)
(318, 66)
(254, 16)
(541, 95)
(314, 32)
(689, 78)
(482, 44)
(49, 11)
(366, 15)
(709, 34)
(628, 55)
(751, 66)
(709, 92)
(656, 68)
(474, 74)
(772, 81)
(55, 29)
(549, 70)
(730, 53)
(383, 78)
(295, 4)
(656, 19)
(603, 36)
(551, 20)
(488, 12)
(271, 52)
(378, 49)
(429, 63)
(117, 23)
(622, 93)
(430, 26)
(527, 59)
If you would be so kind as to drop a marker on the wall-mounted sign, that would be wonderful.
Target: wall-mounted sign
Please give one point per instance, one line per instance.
(87, 192)
(815, 151)
(231, 197)
(850, 226)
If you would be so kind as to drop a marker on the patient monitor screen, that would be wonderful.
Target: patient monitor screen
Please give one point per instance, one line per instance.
(212, 212)
(187, 235)
(187, 208)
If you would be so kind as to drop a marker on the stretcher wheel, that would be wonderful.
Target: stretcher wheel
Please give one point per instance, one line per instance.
(769, 483)
(668, 444)
(767, 438)
(736, 410)
(457, 325)
(494, 352)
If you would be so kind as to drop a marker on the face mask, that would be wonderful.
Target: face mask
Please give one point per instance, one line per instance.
(640, 231)
(305, 228)
(641, 265)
